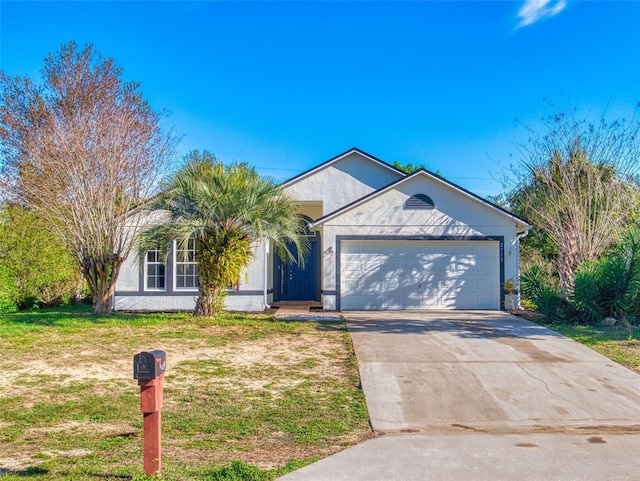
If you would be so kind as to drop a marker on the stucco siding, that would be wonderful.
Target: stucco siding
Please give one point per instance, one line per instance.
(313, 210)
(253, 278)
(129, 276)
(342, 182)
(249, 297)
(453, 212)
(126, 302)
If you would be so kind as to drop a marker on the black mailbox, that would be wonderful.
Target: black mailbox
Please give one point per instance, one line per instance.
(149, 365)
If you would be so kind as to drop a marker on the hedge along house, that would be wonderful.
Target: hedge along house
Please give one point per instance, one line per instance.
(379, 239)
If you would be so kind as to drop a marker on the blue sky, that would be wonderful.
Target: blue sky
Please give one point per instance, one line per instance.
(287, 85)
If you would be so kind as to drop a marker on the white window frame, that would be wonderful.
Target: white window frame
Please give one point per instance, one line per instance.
(176, 263)
(154, 263)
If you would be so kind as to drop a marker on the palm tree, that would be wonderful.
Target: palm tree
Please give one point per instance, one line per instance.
(225, 209)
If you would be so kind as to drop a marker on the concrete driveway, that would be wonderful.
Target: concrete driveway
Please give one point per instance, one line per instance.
(485, 396)
(486, 372)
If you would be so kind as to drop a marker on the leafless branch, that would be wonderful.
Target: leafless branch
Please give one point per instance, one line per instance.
(82, 149)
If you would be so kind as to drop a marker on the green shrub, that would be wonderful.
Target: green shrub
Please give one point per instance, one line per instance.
(606, 287)
(551, 303)
(620, 277)
(533, 281)
(8, 291)
(586, 298)
(45, 274)
(541, 292)
(609, 286)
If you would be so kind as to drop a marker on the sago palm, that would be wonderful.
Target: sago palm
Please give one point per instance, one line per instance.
(225, 208)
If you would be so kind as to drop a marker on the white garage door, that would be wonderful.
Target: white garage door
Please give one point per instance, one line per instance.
(419, 275)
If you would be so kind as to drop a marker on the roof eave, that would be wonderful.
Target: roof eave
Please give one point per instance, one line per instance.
(332, 160)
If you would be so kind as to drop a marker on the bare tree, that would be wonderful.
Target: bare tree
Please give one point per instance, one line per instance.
(577, 183)
(82, 149)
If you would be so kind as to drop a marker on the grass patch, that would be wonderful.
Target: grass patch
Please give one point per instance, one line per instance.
(246, 397)
(618, 343)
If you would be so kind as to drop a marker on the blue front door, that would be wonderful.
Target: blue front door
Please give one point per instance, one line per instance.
(295, 283)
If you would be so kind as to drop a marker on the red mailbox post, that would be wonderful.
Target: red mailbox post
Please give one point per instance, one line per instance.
(151, 406)
(148, 369)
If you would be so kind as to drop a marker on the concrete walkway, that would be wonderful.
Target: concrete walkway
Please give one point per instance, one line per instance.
(487, 396)
(304, 311)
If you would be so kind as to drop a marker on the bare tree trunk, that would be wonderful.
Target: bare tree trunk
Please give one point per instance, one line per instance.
(210, 301)
(565, 270)
(101, 276)
(569, 256)
(102, 306)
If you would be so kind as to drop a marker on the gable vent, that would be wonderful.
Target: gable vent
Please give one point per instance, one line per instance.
(419, 202)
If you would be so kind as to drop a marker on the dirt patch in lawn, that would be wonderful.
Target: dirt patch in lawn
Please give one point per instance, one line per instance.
(257, 391)
(24, 377)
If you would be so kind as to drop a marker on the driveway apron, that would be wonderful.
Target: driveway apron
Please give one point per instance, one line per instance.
(485, 396)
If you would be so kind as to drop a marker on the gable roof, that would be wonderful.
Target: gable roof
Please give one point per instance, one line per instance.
(525, 226)
(333, 160)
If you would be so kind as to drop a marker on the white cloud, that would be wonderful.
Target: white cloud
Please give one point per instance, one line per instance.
(534, 10)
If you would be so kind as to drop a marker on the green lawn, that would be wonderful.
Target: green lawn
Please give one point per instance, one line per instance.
(245, 397)
(619, 343)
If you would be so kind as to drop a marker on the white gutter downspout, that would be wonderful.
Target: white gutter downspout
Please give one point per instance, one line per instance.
(266, 274)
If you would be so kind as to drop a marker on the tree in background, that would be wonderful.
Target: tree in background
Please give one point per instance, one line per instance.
(407, 168)
(577, 185)
(9, 296)
(411, 168)
(43, 271)
(81, 150)
(223, 209)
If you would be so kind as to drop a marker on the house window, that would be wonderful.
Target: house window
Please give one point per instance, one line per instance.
(155, 269)
(186, 266)
(419, 202)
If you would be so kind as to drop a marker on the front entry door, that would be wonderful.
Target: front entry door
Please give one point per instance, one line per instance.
(294, 283)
